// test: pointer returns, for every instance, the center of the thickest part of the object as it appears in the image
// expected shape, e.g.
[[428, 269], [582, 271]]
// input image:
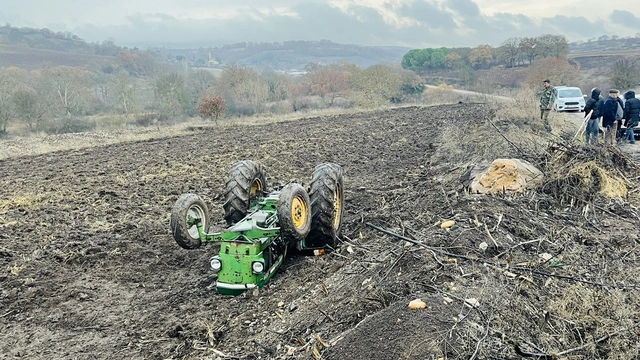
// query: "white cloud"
[[372, 22]]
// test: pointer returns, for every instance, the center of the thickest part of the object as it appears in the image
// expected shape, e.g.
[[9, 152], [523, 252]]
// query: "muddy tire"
[[188, 205], [246, 180], [294, 213], [327, 205]]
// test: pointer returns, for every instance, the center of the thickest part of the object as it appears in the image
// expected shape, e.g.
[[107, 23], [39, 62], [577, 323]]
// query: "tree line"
[[139, 90], [512, 52]]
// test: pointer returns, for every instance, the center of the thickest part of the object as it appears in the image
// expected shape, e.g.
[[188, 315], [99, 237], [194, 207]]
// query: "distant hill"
[[605, 44], [30, 59], [46, 39], [288, 55]]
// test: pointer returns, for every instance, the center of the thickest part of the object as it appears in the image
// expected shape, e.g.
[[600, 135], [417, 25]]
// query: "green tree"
[[425, 59]]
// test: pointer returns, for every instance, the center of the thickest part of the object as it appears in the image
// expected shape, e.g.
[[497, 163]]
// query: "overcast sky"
[[411, 23]]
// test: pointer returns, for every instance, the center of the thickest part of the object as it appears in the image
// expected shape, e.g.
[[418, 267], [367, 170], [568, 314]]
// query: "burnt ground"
[[88, 268]]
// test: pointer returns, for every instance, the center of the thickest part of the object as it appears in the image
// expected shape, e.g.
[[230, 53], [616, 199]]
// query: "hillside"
[[287, 55], [30, 58]]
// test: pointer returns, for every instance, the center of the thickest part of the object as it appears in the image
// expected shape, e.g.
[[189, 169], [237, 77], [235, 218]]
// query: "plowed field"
[[89, 269]]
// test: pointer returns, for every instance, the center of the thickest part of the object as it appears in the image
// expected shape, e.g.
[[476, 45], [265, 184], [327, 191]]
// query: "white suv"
[[569, 98]]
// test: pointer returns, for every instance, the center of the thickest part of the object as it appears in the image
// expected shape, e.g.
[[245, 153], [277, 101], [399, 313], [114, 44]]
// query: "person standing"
[[609, 122], [547, 99], [594, 105], [620, 118], [631, 114]]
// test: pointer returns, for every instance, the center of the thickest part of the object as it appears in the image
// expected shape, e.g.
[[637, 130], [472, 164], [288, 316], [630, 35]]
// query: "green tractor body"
[[253, 248]]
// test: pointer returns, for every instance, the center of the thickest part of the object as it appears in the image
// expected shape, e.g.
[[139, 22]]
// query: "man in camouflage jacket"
[[547, 99]]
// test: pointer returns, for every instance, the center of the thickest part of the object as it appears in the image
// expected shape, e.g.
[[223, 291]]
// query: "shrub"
[[149, 119], [68, 125], [212, 107]]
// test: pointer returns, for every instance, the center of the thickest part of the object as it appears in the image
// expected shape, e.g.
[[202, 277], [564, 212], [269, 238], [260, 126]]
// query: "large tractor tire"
[[246, 180], [327, 205], [188, 206], [294, 213]]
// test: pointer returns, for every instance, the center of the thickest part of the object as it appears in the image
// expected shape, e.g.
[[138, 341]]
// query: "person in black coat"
[[631, 114], [594, 105], [609, 121]]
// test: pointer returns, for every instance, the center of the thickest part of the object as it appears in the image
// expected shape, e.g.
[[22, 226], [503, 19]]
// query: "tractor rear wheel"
[[294, 213], [246, 180], [188, 206], [327, 205]]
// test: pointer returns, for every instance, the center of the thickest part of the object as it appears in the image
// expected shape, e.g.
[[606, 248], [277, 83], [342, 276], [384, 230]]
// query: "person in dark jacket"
[[631, 114], [594, 105], [609, 122]]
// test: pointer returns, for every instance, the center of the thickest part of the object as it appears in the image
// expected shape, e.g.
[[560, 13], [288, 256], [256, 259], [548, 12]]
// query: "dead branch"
[[506, 139], [426, 246]]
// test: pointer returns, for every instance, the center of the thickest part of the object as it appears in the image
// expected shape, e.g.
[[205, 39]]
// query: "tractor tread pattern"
[[238, 189], [326, 177]]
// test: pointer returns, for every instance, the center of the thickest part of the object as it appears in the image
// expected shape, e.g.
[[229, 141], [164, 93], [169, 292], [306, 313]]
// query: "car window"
[[568, 93]]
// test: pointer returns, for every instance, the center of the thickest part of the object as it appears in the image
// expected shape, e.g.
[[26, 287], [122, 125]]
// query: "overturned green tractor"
[[262, 226]]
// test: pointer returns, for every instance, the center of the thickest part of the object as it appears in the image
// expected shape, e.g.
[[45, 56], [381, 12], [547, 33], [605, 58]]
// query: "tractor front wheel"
[[294, 212], [246, 180], [188, 208], [327, 205]]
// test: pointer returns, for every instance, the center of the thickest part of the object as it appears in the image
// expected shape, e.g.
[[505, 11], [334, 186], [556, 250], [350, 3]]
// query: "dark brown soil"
[[89, 270]]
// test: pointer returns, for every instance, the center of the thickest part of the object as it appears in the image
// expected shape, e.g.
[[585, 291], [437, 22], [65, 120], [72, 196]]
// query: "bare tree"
[[124, 87], [5, 103], [198, 84], [481, 56], [552, 45], [376, 85], [559, 71], [277, 83], [625, 73], [243, 90], [29, 107], [171, 96], [528, 48], [328, 83], [510, 51], [68, 89]]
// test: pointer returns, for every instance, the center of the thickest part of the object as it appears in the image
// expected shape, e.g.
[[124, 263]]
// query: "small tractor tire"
[[246, 180], [327, 205], [294, 213], [188, 205]]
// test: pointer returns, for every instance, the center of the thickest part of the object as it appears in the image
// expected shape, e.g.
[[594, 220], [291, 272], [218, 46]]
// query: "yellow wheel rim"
[[337, 203], [255, 187], [299, 212]]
